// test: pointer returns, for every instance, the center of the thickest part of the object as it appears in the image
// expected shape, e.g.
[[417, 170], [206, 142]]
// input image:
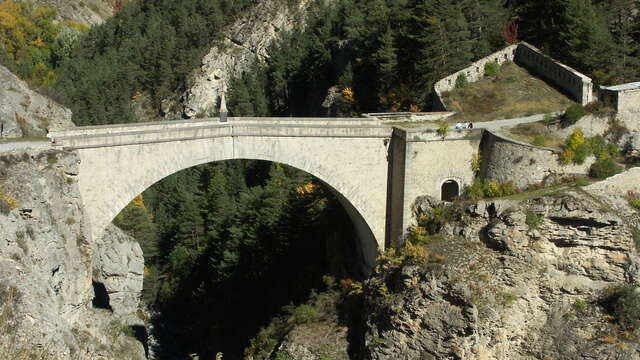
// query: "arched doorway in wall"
[[450, 190]]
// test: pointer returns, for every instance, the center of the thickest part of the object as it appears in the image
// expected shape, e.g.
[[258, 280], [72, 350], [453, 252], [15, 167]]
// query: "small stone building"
[[623, 98]]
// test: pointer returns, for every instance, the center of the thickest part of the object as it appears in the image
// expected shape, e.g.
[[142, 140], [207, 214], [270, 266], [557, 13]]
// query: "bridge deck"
[[141, 133]]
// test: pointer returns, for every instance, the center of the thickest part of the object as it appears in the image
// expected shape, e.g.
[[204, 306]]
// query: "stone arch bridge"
[[375, 170]]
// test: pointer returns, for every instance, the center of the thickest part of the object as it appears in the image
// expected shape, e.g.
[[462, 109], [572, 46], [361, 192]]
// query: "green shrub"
[[533, 220], [580, 306], [481, 189], [634, 200], [437, 217], [582, 182], [507, 189], [574, 113], [548, 119], [476, 190], [304, 314], [443, 129], [603, 168], [627, 306], [491, 68], [581, 153], [461, 81], [598, 145], [636, 238]]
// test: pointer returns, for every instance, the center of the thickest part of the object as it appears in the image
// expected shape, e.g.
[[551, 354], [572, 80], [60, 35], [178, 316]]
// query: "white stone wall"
[[430, 161], [571, 81], [629, 101], [475, 71]]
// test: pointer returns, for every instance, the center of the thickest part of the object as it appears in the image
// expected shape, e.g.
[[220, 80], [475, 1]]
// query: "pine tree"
[[487, 19], [190, 230], [387, 61], [240, 99], [584, 36], [444, 38], [626, 57]]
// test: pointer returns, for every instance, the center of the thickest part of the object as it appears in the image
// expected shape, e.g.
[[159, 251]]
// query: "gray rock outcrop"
[[24, 112], [50, 265], [118, 264], [316, 341], [88, 12], [246, 42], [512, 279]]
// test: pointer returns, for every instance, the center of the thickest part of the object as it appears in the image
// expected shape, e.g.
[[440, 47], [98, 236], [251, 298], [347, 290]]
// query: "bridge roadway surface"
[[494, 125]]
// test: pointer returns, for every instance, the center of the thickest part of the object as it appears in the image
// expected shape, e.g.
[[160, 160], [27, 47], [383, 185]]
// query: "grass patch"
[[513, 92], [537, 134], [633, 199], [635, 233], [533, 220]]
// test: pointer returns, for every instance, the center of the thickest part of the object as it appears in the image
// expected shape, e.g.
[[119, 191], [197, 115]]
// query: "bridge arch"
[[114, 169]]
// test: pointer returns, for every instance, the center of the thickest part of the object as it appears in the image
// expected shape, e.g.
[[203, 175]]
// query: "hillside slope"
[[88, 12]]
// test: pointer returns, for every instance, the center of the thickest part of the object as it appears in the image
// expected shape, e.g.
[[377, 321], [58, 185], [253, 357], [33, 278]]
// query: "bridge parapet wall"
[[209, 122], [119, 136]]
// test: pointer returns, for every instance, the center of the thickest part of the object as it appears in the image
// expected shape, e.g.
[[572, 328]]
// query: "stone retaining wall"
[[506, 160], [473, 72], [575, 84]]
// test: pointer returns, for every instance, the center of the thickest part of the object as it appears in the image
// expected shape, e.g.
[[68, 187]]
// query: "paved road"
[[21, 145], [498, 124]]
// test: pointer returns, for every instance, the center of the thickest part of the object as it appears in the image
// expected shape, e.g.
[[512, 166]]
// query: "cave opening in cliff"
[[100, 296], [238, 246]]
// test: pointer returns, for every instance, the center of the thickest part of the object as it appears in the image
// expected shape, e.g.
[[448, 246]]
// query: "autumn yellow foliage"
[[7, 199], [138, 201], [305, 190], [30, 39], [348, 95]]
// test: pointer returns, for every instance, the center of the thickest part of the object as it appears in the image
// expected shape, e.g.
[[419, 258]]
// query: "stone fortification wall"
[[507, 160], [575, 84], [474, 72], [623, 98]]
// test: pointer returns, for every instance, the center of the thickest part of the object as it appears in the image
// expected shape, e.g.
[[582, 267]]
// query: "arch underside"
[[110, 177]]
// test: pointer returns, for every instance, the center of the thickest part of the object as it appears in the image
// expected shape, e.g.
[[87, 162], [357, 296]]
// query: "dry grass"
[[536, 134], [513, 93]]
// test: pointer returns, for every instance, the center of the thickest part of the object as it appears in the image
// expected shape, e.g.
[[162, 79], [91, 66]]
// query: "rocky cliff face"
[[245, 43], [88, 12], [61, 295], [513, 279], [23, 112]]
